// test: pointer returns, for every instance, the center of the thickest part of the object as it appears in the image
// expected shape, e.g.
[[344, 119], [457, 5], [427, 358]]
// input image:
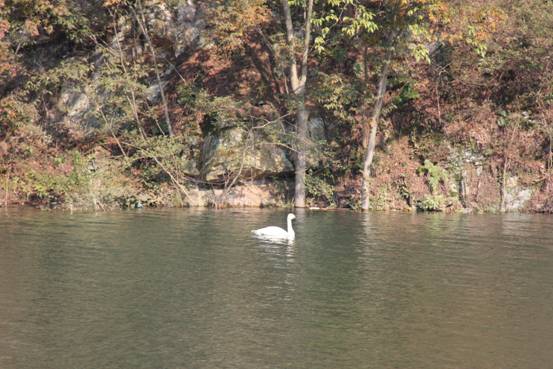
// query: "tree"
[[230, 34], [6, 56], [297, 74], [393, 29]]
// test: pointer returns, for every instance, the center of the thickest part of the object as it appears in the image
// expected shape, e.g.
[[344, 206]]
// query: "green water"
[[193, 289]]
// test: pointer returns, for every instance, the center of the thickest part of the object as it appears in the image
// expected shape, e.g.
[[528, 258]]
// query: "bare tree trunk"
[[301, 164], [298, 82], [291, 40], [503, 188], [504, 172], [550, 155], [465, 190], [364, 109], [369, 155], [6, 187]]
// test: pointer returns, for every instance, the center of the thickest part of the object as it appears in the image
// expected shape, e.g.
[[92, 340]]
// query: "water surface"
[[193, 289]]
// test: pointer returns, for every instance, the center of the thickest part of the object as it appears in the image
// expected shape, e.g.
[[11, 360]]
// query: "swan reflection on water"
[[266, 240], [280, 251]]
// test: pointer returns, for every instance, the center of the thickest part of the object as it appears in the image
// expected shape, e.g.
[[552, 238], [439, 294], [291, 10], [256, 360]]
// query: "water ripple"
[[194, 289]]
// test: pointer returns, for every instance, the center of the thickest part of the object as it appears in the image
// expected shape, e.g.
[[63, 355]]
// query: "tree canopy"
[[396, 104]]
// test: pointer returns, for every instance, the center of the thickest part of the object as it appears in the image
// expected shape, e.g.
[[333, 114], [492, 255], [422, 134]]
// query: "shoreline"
[[82, 209]]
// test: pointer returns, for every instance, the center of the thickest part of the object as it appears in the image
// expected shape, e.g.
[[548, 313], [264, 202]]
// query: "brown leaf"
[[31, 27]]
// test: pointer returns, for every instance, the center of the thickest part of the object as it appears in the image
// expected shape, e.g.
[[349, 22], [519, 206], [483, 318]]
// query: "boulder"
[[230, 150], [74, 102], [74, 107], [180, 24]]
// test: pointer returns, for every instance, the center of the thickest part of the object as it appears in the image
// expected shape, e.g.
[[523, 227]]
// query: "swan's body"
[[277, 232]]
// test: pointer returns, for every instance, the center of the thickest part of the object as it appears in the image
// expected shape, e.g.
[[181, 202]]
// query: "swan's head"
[[291, 216]]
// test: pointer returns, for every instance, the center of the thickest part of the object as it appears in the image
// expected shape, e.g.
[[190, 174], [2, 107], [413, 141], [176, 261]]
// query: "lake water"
[[193, 289]]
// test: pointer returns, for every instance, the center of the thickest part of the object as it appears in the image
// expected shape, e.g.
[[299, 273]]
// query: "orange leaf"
[[4, 27], [108, 3], [31, 27]]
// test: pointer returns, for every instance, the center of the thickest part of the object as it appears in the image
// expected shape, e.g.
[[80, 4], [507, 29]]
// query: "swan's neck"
[[290, 230]]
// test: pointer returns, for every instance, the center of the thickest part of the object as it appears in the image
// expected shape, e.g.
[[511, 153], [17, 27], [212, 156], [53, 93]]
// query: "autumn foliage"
[[466, 119]]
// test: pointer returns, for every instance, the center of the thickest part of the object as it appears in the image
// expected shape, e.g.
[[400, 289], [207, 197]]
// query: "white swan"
[[277, 232]]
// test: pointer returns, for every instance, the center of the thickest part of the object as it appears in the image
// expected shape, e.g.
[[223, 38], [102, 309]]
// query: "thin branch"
[[173, 179], [110, 125], [307, 42], [142, 23]]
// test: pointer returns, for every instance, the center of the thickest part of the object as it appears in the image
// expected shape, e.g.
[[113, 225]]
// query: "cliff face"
[[147, 103]]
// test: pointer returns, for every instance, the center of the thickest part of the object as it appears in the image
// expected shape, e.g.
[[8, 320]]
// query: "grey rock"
[[252, 194], [75, 107], [231, 149], [516, 196], [317, 138], [73, 102], [190, 24], [181, 25], [316, 127]]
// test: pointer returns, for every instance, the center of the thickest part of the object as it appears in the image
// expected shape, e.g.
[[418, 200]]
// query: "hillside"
[[398, 105]]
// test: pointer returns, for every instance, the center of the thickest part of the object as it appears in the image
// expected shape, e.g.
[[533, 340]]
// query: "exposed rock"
[[516, 196], [153, 92], [176, 28], [181, 24], [471, 157], [230, 150], [74, 107], [188, 166], [316, 127], [247, 195], [73, 102], [190, 25], [317, 135]]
